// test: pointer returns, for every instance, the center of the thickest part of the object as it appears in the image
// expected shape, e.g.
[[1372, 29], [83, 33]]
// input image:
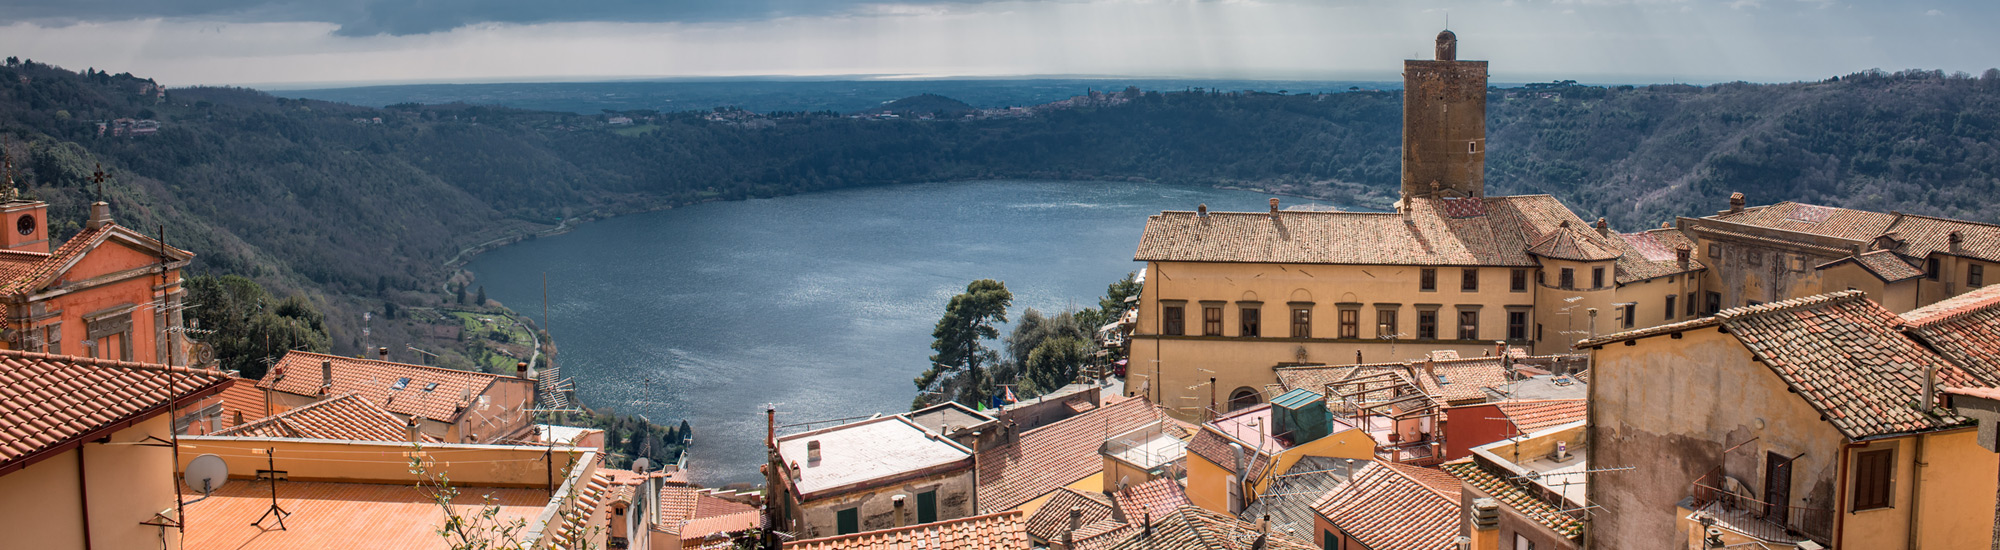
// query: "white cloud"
[[1933, 13]]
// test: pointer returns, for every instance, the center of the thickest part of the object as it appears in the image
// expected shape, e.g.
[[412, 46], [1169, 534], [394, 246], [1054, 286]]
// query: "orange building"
[[109, 292]]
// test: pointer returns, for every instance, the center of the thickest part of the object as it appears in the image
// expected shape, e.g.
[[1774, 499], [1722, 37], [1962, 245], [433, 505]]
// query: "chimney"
[[1593, 322], [897, 503], [812, 451], [1681, 255], [1955, 238], [326, 377], [1500, 348], [1430, 370], [382, 353], [1603, 228], [1201, 211], [771, 428], [1357, 357], [411, 426], [1075, 523], [100, 214], [1485, 514], [521, 369], [1930, 389], [1735, 202], [1274, 206]]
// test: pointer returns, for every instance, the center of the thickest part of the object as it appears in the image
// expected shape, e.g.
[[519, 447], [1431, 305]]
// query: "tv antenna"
[[272, 473]]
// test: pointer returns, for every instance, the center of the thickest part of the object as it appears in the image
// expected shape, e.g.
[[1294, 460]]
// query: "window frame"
[[1468, 280], [1517, 325], [1173, 319], [1350, 322], [1211, 319], [1932, 267], [927, 502], [1566, 280], [1301, 320], [1468, 331], [1714, 302], [1518, 281], [1386, 323], [1672, 308], [1427, 280], [1879, 488], [1427, 324], [1596, 278], [1250, 319], [847, 521], [1631, 314], [1975, 275]]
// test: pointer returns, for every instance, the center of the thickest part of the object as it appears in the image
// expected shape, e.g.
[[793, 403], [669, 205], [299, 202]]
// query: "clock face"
[[26, 225]]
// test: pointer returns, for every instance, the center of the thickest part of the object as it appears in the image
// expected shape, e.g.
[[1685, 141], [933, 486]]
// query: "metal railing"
[[1782, 523]]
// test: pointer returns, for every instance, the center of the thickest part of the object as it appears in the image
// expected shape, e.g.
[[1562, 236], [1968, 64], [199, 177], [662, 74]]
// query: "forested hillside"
[[323, 198]]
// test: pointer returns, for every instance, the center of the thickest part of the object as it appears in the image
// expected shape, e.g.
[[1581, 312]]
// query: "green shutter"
[[849, 521], [927, 507]]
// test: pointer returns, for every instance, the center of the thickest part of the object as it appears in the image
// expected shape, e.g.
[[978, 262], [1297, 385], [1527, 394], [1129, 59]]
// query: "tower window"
[[1472, 147]]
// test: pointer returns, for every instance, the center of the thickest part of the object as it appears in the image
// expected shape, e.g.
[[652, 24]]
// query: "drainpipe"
[[83, 494], [1916, 493]]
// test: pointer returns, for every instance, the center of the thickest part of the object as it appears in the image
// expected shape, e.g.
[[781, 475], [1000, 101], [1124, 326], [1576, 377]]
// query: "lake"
[[821, 303]]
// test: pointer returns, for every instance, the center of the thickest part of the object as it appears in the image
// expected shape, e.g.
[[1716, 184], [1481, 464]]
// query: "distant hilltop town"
[[1463, 372]]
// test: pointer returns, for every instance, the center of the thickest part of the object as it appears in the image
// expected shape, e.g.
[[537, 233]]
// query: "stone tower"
[[1444, 124]]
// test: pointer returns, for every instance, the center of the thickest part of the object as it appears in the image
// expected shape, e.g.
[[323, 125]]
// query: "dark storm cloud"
[[406, 17]]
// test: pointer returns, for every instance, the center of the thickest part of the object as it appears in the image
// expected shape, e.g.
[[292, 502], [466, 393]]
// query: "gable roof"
[[27, 279], [1654, 253], [1195, 528], [1844, 223], [1964, 329], [1037, 461], [1494, 231], [1516, 497], [1155, 498], [347, 417], [1531, 415], [1290, 499], [1846, 356], [1568, 243], [1923, 235], [1001, 531], [50, 403], [299, 373], [1052, 519], [1390, 506], [1883, 264]]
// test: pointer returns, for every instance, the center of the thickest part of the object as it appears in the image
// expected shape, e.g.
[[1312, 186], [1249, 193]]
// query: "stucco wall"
[[40, 506], [954, 497], [1669, 408]]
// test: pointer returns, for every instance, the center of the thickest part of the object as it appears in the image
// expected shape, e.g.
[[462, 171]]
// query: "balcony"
[[1775, 523]]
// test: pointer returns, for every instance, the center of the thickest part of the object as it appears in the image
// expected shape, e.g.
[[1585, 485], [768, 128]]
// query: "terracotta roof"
[[1312, 377], [1652, 254], [1040, 460], [1464, 379], [1156, 498], [1669, 328], [1982, 393], [1433, 232], [339, 515], [1103, 534], [572, 529], [1001, 531], [1052, 519], [694, 530], [1391, 506], [430, 392], [1813, 219], [346, 417], [1214, 447], [50, 402], [1533, 415], [1194, 528], [21, 278], [242, 396], [1924, 235], [1964, 329], [1883, 264], [1289, 499], [1521, 500], [708, 506], [677, 505], [1570, 243]]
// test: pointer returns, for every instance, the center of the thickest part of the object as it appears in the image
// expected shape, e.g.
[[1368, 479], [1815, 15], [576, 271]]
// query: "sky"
[[308, 43]]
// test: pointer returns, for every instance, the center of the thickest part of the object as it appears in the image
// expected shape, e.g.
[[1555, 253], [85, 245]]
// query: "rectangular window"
[[1690, 304], [1428, 280], [1975, 275], [1517, 325], [1329, 541], [1715, 250], [1714, 302], [1253, 320], [1670, 306], [1350, 323], [927, 506], [1173, 321], [1518, 281], [1385, 323], [1931, 269], [847, 521], [1631, 314], [1753, 257], [1568, 279], [1211, 320], [1302, 322], [1521, 542], [1468, 325], [1597, 277], [1427, 324], [1470, 281], [1871, 479]]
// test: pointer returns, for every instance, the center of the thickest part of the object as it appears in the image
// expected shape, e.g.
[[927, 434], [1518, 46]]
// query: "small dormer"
[[27, 227]]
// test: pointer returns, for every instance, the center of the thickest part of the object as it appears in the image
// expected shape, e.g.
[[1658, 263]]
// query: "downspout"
[[1917, 466], [83, 494]]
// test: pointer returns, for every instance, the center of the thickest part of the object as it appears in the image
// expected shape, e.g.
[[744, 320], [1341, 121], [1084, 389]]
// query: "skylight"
[[401, 383], [430, 386]]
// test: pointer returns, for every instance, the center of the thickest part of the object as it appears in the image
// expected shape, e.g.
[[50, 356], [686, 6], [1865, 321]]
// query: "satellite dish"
[[640, 464], [206, 473]]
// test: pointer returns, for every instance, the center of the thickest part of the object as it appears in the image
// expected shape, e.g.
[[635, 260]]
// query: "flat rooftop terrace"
[[339, 515]]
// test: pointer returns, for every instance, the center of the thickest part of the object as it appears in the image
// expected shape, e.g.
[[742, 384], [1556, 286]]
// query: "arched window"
[[1244, 397]]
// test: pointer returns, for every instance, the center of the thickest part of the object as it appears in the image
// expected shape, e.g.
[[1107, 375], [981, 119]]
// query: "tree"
[[1056, 362], [461, 295], [1062, 342], [248, 327], [958, 370], [480, 300], [388, 310]]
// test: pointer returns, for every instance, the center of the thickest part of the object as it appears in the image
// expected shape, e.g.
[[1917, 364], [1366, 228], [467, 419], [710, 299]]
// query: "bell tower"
[[1444, 124], [27, 227]]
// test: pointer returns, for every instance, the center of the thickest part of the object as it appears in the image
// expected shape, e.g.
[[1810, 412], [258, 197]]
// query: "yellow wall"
[[376, 462], [1094, 483], [1207, 484], [1954, 495], [1345, 444], [128, 484]]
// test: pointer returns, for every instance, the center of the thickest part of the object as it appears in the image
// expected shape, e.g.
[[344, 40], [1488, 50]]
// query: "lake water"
[[821, 303]]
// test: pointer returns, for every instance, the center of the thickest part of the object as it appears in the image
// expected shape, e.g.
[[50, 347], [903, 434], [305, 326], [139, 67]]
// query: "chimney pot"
[[897, 501], [1274, 205], [1603, 227], [1201, 211], [1735, 202], [326, 377], [383, 352], [521, 369]]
